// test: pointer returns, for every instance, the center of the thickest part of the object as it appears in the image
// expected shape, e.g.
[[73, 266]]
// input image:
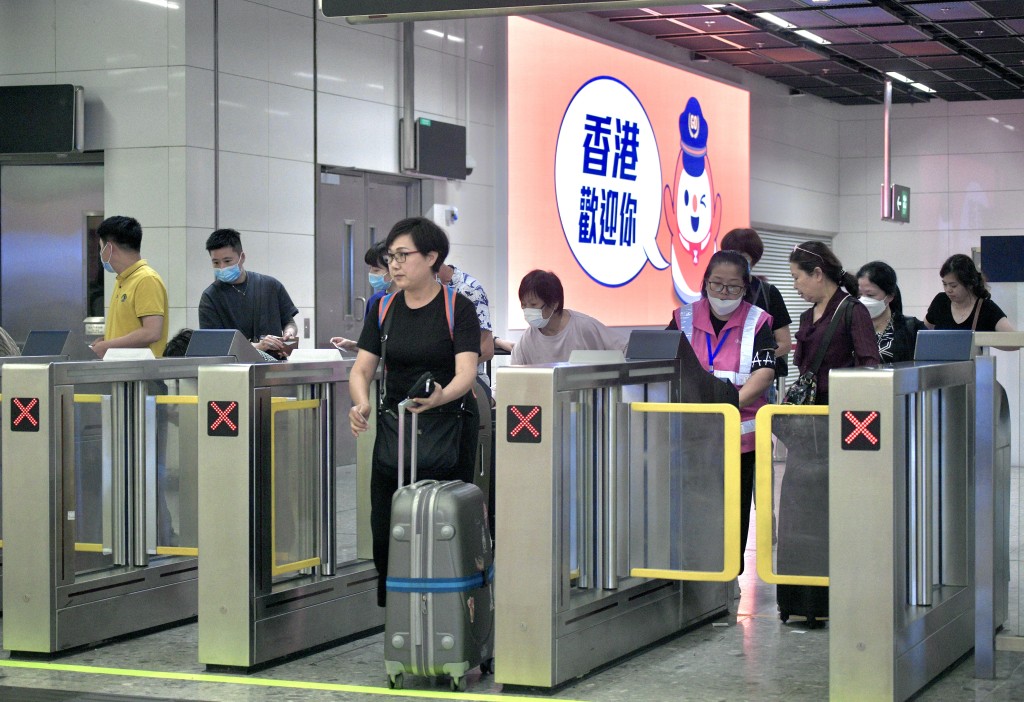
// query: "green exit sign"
[[900, 203]]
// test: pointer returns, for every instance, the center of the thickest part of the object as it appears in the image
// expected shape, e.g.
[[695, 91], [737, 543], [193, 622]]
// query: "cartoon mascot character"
[[693, 208]]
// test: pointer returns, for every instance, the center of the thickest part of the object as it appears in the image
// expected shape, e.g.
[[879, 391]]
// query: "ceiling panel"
[[964, 50], [922, 48], [946, 11]]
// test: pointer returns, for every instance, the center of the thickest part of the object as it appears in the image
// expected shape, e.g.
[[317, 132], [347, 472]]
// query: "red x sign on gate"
[[24, 414], [861, 431], [523, 423], [222, 421]]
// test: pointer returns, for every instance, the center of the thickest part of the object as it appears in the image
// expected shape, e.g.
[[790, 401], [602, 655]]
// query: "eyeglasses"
[[396, 256], [808, 251], [727, 289]]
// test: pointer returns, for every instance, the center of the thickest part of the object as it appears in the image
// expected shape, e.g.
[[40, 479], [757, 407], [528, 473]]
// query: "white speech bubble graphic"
[[608, 182]]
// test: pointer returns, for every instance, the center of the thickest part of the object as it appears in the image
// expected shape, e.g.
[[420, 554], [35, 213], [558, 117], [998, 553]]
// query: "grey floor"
[[747, 655]]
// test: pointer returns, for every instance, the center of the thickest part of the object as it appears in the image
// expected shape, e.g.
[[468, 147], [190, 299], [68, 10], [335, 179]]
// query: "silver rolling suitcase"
[[439, 618]]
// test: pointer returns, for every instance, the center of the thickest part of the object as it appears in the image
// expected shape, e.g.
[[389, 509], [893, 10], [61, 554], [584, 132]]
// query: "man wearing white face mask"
[[256, 305], [554, 331], [733, 340]]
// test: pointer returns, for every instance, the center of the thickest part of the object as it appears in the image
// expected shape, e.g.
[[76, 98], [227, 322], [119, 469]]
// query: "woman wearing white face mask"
[[733, 340], [897, 334], [555, 332]]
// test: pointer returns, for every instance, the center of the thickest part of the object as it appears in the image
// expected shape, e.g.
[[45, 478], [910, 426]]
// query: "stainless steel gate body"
[[63, 591], [566, 600], [271, 585], [905, 588]]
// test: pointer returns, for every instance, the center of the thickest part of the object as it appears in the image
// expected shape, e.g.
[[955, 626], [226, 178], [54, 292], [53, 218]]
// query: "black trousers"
[[382, 489], [747, 466]]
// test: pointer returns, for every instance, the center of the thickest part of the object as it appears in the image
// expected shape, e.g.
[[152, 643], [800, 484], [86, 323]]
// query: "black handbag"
[[805, 390], [438, 436]]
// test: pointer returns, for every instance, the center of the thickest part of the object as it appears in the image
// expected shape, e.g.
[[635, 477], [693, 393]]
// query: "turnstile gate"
[[915, 456], [277, 524], [96, 513], [608, 514]]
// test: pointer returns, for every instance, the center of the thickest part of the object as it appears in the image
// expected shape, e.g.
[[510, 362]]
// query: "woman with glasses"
[[879, 293], [820, 279], [414, 337], [554, 332], [733, 340]]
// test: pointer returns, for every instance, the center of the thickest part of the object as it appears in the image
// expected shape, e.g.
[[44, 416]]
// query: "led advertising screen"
[[624, 174]]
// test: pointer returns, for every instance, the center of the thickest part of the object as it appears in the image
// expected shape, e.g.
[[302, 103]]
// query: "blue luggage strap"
[[433, 585]]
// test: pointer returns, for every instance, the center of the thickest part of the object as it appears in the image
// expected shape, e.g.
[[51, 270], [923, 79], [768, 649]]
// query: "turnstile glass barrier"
[[171, 428], [792, 489], [277, 515], [98, 516], [684, 491], [87, 513], [589, 485], [295, 470]]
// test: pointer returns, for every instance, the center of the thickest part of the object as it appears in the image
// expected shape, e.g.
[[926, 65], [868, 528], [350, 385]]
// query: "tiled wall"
[[183, 165], [142, 87], [359, 78], [794, 160]]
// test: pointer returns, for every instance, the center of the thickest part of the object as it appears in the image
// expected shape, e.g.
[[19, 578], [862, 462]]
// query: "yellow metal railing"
[[283, 404], [765, 488], [83, 399], [177, 399], [731, 449], [89, 399]]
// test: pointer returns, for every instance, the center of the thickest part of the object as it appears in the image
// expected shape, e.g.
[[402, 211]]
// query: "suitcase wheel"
[[396, 682], [487, 666], [813, 623], [784, 616], [459, 684]]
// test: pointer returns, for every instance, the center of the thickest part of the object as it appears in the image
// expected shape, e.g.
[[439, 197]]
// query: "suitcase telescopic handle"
[[401, 442]]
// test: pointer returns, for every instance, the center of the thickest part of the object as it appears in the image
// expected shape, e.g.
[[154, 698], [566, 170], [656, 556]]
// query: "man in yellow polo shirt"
[[138, 306]]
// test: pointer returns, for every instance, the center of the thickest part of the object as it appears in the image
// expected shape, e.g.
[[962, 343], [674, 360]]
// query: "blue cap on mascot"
[[693, 137]]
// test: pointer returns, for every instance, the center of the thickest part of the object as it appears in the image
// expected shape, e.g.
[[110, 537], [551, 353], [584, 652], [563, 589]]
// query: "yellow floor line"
[[268, 682]]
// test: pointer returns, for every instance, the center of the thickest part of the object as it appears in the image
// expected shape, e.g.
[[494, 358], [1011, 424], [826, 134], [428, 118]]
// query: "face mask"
[[106, 264], [227, 275], [875, 307], [535, 317], [724, 307], [377, 282]]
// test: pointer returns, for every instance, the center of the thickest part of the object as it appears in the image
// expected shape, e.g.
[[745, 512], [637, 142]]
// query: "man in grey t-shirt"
[[256, 305]]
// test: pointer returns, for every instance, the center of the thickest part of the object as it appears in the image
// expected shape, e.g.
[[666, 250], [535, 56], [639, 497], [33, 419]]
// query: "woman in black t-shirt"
[[966, 302], [419, 339]]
